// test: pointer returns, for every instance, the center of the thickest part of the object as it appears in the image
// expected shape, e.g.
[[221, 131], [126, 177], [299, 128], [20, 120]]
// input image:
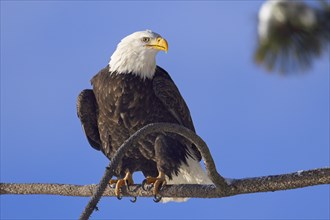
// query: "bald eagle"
[[129, 93]]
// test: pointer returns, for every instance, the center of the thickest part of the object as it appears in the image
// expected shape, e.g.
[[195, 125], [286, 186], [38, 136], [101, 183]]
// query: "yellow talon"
[[126, 181], [158, 182]]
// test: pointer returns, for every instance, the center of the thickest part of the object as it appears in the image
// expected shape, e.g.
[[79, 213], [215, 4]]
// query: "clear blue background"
[[254, 122]]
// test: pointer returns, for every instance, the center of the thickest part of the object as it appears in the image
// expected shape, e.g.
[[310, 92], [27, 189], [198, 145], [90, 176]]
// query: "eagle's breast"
[[126, 104]]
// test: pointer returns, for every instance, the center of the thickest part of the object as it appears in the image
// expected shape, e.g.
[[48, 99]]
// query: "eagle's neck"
[[126, 60]]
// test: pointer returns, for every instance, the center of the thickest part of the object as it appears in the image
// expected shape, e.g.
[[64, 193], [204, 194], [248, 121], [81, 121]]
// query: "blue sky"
[[255, 123]]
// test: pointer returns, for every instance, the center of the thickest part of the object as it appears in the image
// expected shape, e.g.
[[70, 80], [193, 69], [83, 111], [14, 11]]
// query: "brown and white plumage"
[[129, 93]]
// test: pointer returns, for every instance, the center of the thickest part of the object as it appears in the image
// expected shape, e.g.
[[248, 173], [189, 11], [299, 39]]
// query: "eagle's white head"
[[136, 54]]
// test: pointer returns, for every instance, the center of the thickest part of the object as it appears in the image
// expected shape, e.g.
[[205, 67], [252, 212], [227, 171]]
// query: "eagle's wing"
[[87, 111], [169, 94]]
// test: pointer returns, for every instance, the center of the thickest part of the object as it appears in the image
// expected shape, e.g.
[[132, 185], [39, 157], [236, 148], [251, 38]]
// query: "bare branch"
[[273, 183], [219, 189], [215, 177]]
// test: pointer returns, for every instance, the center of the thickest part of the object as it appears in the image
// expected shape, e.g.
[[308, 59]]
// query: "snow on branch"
[[222, 187]]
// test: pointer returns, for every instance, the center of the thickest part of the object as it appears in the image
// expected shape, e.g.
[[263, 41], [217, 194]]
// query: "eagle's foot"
[[112, 183], [157, 183], [118, 183]]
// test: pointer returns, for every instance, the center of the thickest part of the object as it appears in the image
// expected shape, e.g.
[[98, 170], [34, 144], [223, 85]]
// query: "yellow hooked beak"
[[159, 44]]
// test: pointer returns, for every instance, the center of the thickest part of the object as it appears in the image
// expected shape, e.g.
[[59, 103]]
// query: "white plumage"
[[131, 55]]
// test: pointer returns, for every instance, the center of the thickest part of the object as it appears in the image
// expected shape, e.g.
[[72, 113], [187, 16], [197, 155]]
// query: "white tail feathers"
[[190, 173]]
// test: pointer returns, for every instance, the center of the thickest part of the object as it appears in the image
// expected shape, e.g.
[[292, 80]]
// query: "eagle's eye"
[[145, 39]]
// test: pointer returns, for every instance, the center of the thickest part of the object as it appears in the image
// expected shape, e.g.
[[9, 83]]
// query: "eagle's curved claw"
[[157, 182], [127, 183], [113, 183], [112, 186], [157, 198], [145, 185], [133, 200]]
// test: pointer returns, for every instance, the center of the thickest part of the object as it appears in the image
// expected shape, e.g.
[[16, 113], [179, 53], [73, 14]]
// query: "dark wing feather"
[[87, 112], [169, 94]]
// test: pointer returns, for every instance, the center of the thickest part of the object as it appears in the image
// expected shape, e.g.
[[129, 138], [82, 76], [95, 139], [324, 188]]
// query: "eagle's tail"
[[190, 173]]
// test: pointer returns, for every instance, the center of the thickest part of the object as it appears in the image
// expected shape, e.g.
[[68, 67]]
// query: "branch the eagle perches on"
[[222, 187], [220, 184], [215, 177]]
